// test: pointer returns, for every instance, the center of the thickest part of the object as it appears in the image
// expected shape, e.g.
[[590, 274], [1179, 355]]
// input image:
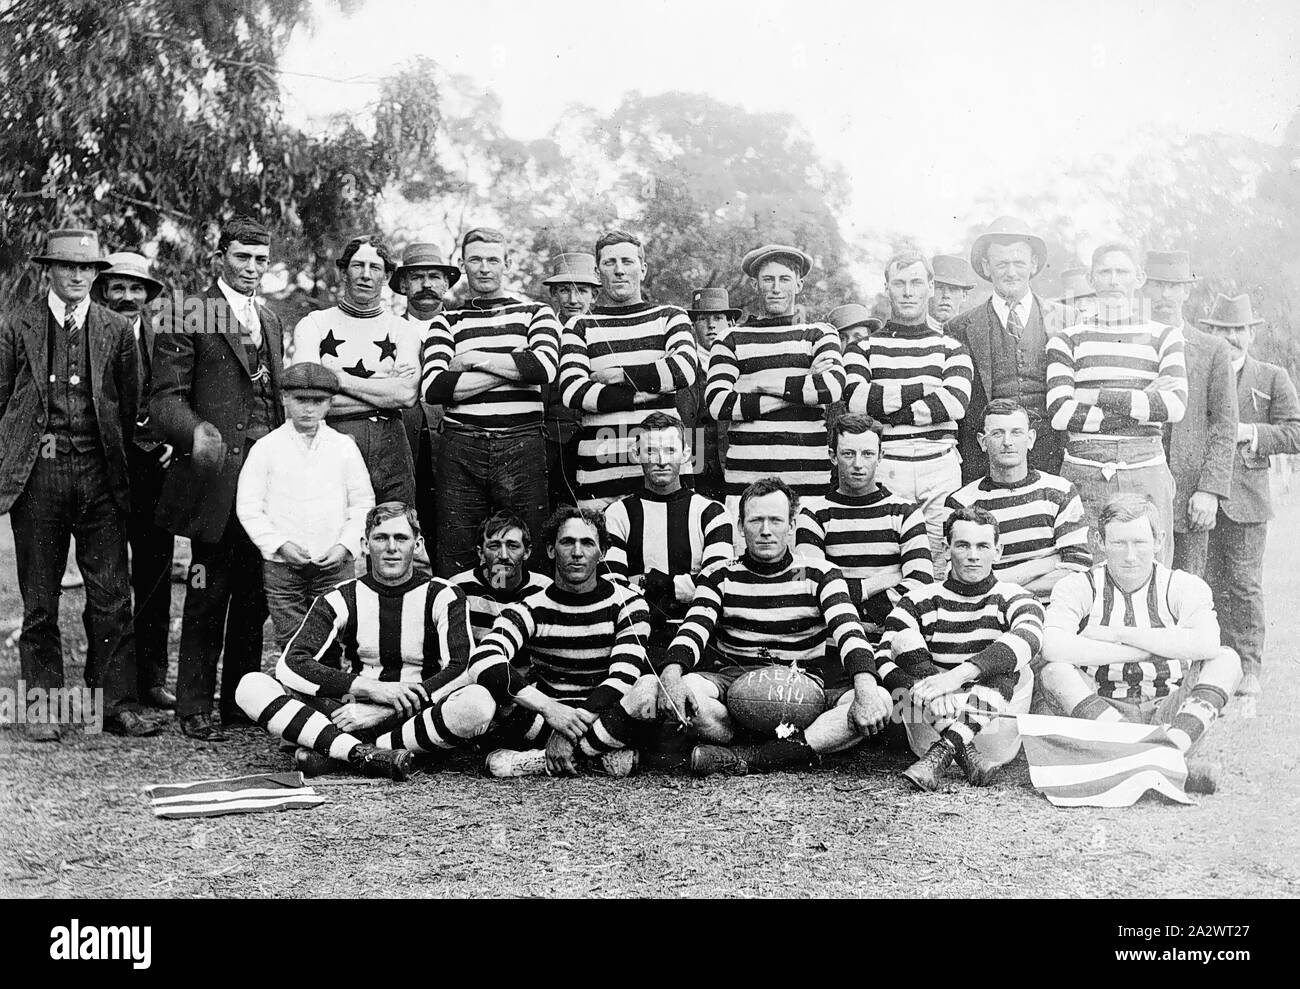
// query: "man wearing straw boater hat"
[[1200, 447], [1269, 423], [953, 281], [713, 315], [128, 288], [1077, 294], [572, 285], [68, 392], [1007, 339]]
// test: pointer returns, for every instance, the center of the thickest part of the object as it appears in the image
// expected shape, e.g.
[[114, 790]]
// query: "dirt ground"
[[74, 820]]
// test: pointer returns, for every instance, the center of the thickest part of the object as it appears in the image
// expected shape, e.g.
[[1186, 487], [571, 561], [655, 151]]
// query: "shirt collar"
[[59, 309], [239, 303], [1003, 309]]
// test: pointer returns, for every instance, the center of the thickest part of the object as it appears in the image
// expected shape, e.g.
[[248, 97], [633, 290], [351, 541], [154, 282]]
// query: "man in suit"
[[67, 412], [1007, 340], [215, 392], [1200, 447], [1269, 423], [129, 289]]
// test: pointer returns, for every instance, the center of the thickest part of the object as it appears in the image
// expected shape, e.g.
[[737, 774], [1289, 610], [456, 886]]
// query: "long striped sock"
[[451, 722], [958, 734], [1094, 708], [1196, 715], [614, 729], [264, 700]]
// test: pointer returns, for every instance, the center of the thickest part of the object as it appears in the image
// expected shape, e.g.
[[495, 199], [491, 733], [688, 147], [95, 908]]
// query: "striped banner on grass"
[[237, 795]]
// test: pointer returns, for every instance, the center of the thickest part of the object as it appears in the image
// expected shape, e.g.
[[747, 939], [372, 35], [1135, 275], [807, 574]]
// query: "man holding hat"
[[303, 497], [572, 286], [1269, 423], [68, 395], [713, 316], [128, 288], [953, 280], [216, 392], [1200, 448], [772, 379], [1007, 339]]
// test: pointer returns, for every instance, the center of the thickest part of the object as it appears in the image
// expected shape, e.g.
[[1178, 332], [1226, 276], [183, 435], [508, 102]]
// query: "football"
[[774, 695]]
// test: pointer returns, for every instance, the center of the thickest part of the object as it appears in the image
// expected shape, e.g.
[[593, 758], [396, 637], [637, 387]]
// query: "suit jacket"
[[201, 374], [1201, 447], [1266, 397], [24, 394], [975, 328], [147, 437]]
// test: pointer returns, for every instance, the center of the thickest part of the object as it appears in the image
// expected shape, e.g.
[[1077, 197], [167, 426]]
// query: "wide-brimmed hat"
[[847, 316], [755, 258], [1169, 266], [574, 268], [72, 247], [128, 264], [1075, 285], [310, 377], [952, 269], [422, 256], [1231, 311], [1006, 228], [711, 301]]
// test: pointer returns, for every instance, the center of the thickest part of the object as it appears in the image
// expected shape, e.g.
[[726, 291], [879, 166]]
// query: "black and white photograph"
[[681, 451]]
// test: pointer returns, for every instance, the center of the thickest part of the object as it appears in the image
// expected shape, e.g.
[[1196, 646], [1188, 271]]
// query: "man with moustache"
[[216, 391], [502, 576], [376, 356], [128, 288], [572, 286], [1007, 341], [1201, 447], [713, 316], [68, 394], [953, 281]]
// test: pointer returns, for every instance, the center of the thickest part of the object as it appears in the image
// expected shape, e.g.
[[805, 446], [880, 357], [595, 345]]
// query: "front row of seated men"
[[649, 620]]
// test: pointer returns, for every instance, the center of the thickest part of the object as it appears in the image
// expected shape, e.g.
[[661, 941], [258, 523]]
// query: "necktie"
[[252, 322], [70, 320], [1014, 326]]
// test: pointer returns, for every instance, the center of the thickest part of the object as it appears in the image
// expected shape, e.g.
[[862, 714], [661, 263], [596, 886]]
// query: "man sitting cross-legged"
[[1131, 640], [662, 536], [768, 606], [957, 656], [502, 576], [363, 682]]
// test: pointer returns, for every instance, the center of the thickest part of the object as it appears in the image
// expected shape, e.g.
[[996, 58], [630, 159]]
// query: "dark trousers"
[[151, 570], [224, 606], [1191, 549], [561, 471], [69, 494], [290, 591], [419, 438], [481, 472], [387, 453], [1234, 569]]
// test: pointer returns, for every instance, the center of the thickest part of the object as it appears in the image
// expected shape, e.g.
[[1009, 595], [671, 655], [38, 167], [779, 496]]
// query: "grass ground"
[[74, 821]]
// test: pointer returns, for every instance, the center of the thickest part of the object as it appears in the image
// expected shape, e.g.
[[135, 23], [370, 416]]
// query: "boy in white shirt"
[[303, 496]]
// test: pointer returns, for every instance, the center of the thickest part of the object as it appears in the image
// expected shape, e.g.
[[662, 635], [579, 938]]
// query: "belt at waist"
[[915, 452], [1114, 464], [527, 429], [374, 415]]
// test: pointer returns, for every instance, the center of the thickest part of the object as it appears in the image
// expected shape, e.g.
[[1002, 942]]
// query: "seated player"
[[766, 607], [502, 576], [956, 655], [1040, 516], [876, 539], [361, 683], [585, 639], [662, 536], [1130, 640]]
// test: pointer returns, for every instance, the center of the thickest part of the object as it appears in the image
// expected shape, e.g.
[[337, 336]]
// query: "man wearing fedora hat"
[[1269, 423], [1007, 340], [68, 395], [216, 392], [953, 281], [714, 316], [1200, 448], [853, 322], [1077, 294], [128, 288], [572, 286]]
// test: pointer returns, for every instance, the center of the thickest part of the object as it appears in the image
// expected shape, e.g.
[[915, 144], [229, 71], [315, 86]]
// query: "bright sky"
[[927, 105]]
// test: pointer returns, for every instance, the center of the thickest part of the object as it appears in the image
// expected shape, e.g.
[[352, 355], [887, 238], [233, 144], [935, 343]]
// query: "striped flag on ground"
[[1080, 763], [237, 795]]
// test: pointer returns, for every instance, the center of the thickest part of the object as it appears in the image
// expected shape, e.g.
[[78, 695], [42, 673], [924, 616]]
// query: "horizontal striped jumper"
[[772, 436], [527, 332], [914, 379], [404, 634], [585, 649], [675, 534], [994, 625], [756, 613], [1170, 599], [1096, 373], [878, 541], [654, 346], [486, 602], [1037, 516]]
